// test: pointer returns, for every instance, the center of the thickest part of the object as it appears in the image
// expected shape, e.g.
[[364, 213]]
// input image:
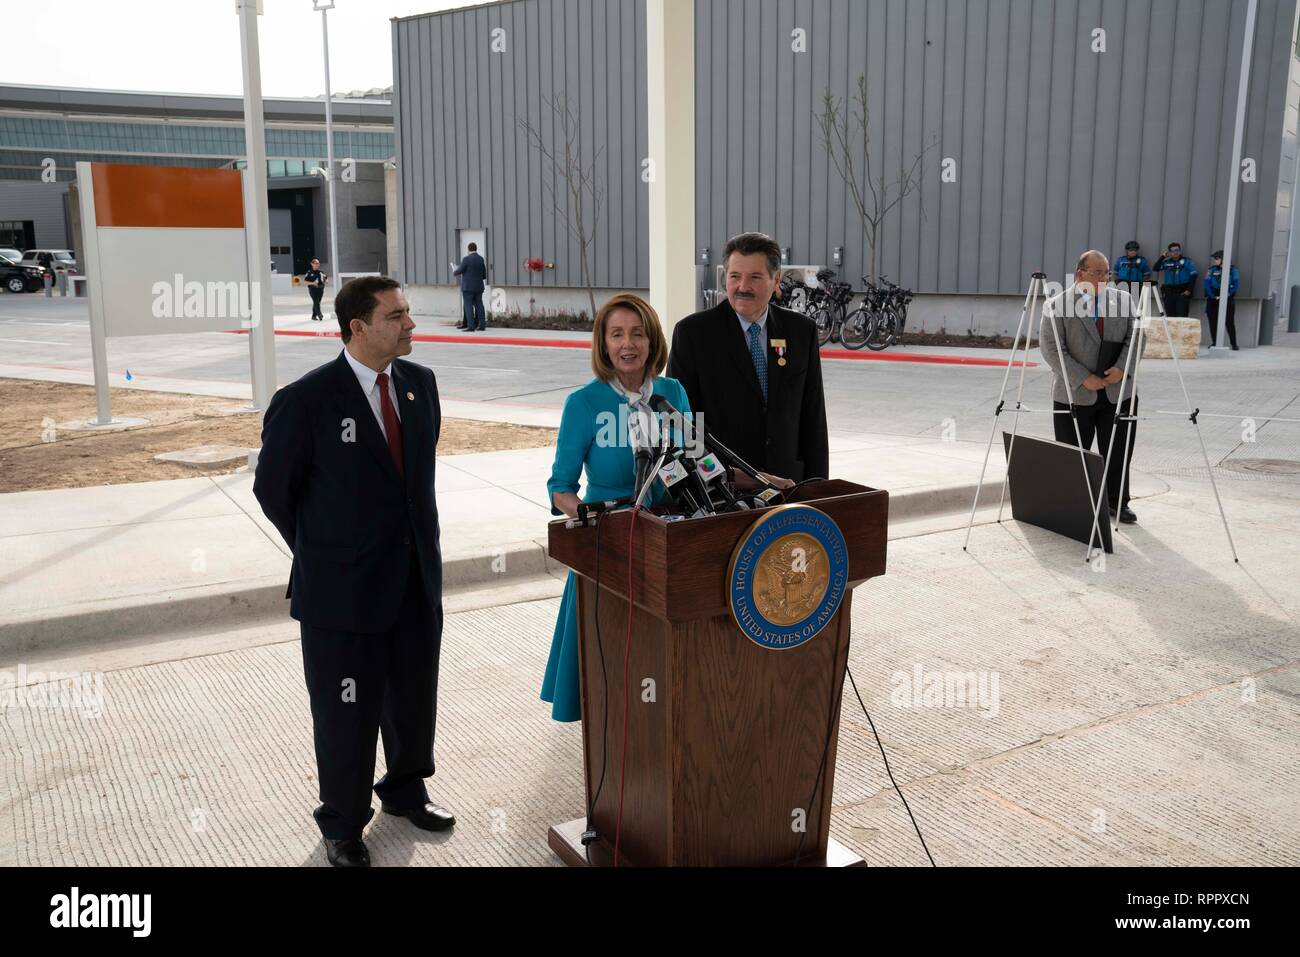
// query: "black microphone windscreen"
[[660, 404]]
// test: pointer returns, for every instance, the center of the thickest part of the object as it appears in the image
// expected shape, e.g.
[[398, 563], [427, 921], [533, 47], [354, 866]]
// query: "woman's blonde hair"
[[658, 358]]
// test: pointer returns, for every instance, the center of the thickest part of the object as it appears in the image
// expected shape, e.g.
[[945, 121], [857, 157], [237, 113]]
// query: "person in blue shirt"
[[1132, 267], [628, 353], [1178, 274], [1213, 289]]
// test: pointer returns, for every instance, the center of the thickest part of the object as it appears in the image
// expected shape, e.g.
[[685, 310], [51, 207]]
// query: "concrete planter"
[[1186, 334]]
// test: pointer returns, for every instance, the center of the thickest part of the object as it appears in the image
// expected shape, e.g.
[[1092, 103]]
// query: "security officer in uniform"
[[315, 280], [1132, 268], [1179, 277], [1213, 287]]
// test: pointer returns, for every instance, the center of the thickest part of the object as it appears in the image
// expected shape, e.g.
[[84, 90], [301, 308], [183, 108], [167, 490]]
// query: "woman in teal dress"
[[628, 351]]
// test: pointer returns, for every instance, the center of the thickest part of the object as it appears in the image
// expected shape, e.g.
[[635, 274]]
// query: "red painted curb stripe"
[[838, 354], [921, 357]]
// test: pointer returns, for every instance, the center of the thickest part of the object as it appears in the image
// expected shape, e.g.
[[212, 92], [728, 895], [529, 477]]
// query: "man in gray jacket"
[[1091, 325]]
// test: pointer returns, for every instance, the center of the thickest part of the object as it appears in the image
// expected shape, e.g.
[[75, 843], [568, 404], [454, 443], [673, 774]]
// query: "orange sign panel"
[[167, 196]]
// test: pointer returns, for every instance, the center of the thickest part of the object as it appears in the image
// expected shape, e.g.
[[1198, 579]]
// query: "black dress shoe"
[[347, 853], [1127, 516], [427, 816]]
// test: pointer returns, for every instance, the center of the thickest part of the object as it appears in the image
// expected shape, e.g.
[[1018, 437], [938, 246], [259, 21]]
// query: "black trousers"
[[317, 292], [473, 310], [1176, 303], [1212, 313], [1100, 420], [362, 686]]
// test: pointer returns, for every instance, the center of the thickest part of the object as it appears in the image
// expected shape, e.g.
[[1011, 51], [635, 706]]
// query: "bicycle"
[[829, 310], [793, 293], [878, 321], [898, 302]]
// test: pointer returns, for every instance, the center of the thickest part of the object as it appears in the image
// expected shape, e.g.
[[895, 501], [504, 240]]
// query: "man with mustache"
[[346, 474], [753, 369]]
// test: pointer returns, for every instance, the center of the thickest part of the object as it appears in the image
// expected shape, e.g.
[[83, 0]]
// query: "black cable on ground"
[[887, 771]]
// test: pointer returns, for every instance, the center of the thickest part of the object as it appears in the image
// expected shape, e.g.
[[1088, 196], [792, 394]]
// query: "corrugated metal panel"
[[1288, 89], [43, 204], [1057, 148], [465, 163]]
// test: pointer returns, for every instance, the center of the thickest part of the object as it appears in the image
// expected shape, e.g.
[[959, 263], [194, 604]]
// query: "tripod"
[[1026, 326], [1132, 362]]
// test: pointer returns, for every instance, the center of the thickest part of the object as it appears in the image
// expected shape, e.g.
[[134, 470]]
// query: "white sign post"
[[261, 337]]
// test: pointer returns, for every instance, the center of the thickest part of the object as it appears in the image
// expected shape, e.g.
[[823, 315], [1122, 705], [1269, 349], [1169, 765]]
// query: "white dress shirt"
[[369, 380]]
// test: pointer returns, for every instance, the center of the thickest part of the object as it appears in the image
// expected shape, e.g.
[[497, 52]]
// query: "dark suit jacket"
[[350, 518], [472, 272], [710, 357]]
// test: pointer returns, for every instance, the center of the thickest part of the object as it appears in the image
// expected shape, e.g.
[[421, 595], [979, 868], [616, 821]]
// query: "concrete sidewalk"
[[126, 563], [1144, 714]]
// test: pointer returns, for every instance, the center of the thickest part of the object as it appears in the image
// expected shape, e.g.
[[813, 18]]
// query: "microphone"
[[700, 487], [643, 452], [711, 444], [707, 470], [587, 509], [643, 473], [675, 477]]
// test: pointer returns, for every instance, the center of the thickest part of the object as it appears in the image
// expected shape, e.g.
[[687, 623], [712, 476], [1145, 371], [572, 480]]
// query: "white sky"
[[192, 46]]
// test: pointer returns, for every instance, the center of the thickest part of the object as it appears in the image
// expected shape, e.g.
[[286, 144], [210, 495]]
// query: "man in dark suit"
[[346, 474], [473, 279], [753, 369]]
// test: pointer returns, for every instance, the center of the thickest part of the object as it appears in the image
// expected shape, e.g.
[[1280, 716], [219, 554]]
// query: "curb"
[[221, 607], [585, 344]]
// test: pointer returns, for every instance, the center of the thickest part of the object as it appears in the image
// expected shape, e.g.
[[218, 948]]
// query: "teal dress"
[[611, 471]]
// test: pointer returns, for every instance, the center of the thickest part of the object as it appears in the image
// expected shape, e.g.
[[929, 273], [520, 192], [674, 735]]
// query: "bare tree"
[[846, 137], [580, 192]]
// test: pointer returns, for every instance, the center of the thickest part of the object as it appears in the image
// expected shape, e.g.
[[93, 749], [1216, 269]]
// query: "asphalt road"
[[894, 397]]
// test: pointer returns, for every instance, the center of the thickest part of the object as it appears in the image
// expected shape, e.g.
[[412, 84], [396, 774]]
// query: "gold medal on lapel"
[[779, 346], [410, 397]]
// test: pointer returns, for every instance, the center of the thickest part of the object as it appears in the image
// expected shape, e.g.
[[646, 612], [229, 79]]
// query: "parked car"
[[17, 277], [15, 254], [55, 260]]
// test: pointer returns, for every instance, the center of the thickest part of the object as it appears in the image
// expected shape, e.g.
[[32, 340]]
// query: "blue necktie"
[[758, 353]]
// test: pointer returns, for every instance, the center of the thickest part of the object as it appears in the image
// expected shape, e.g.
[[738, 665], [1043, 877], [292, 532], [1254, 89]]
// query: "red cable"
[[627, 654]]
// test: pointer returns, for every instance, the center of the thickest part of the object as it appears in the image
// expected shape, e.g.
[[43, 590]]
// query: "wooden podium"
[[726, 739]]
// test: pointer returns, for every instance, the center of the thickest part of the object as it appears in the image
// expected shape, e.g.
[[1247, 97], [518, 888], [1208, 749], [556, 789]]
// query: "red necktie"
[[1101, 323], [392, 426]]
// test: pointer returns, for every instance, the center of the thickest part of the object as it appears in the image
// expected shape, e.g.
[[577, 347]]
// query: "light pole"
[[1221, 347], [261, 337], [323, 6]]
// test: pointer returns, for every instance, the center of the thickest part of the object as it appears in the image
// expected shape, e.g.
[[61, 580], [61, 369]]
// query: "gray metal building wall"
[[1052, 155], [1286, 194], [1057, 148], [43, 204], [463, 162]]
